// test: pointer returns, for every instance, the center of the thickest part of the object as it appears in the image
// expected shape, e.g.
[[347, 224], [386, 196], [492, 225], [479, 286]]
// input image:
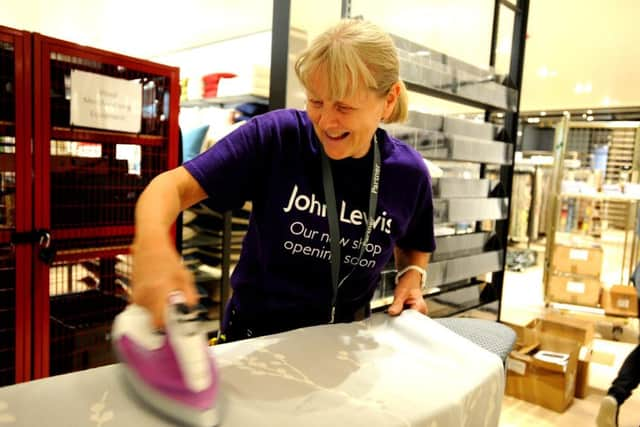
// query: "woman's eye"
[[314, 103], [344, 108]]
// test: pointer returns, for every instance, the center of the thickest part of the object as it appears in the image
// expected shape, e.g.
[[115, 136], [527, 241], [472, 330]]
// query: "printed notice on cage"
[[104, 102]]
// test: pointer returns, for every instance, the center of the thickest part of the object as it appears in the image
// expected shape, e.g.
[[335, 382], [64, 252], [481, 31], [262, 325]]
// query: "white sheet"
[[405, 371]]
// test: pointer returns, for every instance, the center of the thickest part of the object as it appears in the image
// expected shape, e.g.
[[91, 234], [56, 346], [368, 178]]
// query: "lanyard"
[[332, 214]]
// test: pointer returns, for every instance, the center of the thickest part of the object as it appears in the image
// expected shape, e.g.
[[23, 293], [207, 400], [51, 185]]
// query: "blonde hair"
[[355, 52]]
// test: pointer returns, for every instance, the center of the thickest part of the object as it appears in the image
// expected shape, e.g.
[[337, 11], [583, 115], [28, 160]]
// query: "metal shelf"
[[224, 101], [451, 188], [452, 97], [459, 245], [467, 210], [468, 149], [101, 231], [109, 137], [462, 268]]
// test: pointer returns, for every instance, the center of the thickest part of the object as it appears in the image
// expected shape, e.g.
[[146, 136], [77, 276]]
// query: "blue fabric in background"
[[192, 142]]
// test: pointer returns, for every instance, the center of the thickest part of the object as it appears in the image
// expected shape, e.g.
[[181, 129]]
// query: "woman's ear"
[[391, 99]]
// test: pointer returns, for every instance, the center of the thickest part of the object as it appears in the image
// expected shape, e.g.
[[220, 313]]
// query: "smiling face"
[[345, 126]]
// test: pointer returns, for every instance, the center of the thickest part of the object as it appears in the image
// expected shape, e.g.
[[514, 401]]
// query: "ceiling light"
[[590, 118], [519, 133], [533, 120], [589, 112], [544, 72], [543, 113], [566, 113], [500, 115], [585, 87], [584, 115], [422, 53]]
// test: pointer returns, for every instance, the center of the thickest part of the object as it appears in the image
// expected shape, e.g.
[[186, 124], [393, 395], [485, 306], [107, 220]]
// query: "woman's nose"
[[327, 118]]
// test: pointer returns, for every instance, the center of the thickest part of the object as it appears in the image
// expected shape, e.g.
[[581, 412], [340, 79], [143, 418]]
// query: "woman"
[[333, 198]]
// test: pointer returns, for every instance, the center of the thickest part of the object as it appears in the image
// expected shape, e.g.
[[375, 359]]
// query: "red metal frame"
[[44, 132], [21, 42]]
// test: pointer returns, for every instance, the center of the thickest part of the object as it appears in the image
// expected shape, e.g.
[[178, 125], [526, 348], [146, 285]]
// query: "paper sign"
[[575, 287], [104, 102], [516, 366], [579, 254]]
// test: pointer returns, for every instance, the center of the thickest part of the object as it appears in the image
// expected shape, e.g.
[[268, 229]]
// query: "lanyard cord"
[[332, 215]]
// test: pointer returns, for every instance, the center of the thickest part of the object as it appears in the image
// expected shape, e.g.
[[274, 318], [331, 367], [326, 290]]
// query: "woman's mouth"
[[336, 136]]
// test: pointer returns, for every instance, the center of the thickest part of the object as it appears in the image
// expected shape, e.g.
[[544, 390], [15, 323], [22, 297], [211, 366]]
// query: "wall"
[[570, 42]]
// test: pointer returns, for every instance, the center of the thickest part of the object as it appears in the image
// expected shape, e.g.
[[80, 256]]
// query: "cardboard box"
[[621, 300], [566, 327], [543, 383], [572, 289], [580, 260], [573, 329], [582, 372]]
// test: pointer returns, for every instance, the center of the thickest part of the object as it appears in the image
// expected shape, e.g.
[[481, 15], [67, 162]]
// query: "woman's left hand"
[[408, 294]]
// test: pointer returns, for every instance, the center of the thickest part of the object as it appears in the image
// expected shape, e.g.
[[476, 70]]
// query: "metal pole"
[[346, 9], [555, 202], [279, 54], [516, 65]]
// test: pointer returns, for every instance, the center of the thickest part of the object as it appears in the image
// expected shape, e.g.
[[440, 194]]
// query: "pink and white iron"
[[171, 371]]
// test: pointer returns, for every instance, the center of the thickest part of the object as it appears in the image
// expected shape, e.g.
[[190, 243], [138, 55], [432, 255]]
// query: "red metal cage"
[[86, 184]]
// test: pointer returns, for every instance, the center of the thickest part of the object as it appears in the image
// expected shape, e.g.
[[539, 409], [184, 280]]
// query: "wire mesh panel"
[[15, 214], [7, 101], [88, 178], [610, 151], [86, 294], [7, 315], [97, 185]]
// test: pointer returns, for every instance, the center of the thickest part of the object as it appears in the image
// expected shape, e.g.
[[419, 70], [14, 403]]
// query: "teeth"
[[340, 135]]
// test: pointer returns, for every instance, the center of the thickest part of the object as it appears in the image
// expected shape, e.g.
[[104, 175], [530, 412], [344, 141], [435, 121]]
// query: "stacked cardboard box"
[[620, 300], [575, 275]]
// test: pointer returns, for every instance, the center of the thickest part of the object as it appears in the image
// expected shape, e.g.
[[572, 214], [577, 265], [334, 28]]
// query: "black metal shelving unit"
[[455, 274]]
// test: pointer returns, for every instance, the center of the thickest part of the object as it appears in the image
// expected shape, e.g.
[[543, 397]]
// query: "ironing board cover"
[[404, 371]]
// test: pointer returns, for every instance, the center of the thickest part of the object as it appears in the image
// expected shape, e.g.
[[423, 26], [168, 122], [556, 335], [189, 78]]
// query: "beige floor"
[[523, 299]]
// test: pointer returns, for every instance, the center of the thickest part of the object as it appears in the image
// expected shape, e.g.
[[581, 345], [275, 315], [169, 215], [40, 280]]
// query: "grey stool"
[[492, 336]]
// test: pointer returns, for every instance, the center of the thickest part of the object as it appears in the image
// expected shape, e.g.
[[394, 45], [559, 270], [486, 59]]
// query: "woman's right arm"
[[157, 266]]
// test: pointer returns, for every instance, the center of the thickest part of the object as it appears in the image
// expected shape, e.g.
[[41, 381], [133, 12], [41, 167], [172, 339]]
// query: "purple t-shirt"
[[283, 277]]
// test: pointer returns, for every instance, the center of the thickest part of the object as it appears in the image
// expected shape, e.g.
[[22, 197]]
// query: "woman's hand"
[[408, 294], [158, 270]]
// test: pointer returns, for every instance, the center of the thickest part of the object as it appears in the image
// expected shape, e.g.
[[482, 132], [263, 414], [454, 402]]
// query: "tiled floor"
[[523, 300]]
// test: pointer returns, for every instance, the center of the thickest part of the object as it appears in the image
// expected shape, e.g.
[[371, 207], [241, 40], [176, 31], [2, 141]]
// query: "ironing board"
[[403, 371]]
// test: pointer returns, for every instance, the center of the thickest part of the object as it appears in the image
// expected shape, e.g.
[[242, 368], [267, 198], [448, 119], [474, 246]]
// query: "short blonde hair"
[[355, 52]]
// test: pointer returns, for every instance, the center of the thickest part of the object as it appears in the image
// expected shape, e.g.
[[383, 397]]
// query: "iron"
[[172, 371]]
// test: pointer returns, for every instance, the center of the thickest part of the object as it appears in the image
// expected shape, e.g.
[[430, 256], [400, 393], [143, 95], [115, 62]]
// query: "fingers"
[[152, 292], [404, 300], [396, 307], [399, 300], [189, 289]]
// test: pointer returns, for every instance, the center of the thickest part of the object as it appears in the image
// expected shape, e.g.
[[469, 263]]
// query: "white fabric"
[[404, 371]]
